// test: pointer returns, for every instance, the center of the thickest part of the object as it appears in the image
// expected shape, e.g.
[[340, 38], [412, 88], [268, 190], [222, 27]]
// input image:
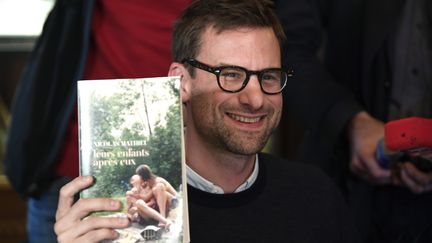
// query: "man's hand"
[[406, 174], [72, 221], [364, 133]]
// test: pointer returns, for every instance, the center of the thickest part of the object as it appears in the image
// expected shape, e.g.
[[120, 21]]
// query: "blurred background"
[[21, 23]]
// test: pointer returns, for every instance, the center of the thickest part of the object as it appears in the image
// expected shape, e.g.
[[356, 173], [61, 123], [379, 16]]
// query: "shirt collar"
[[197, 181]]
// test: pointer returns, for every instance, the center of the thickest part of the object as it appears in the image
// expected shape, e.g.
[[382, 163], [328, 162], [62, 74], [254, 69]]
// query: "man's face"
[[242, 122]]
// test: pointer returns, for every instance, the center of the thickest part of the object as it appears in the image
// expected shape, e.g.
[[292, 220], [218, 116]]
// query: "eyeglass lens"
[[232, 79]]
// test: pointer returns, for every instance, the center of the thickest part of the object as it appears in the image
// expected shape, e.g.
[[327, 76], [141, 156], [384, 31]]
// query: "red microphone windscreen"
[[408, 134]]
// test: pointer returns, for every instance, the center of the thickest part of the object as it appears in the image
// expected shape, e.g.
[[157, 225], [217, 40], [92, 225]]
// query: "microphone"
[[408, 139], [414, 134]]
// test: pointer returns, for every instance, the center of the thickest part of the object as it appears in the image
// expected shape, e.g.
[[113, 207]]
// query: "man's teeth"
[[245, 119]]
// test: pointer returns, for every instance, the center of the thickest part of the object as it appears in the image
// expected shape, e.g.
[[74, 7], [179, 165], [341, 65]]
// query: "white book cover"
[[130, 125]]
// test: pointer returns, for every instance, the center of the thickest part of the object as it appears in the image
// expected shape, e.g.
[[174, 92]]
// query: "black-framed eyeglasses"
[[234, 78]]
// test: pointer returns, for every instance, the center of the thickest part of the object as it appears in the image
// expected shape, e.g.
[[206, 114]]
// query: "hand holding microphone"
[[407, 150], [408, 139]]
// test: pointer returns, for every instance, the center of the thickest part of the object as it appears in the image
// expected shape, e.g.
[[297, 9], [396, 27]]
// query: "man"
[[228, 55]]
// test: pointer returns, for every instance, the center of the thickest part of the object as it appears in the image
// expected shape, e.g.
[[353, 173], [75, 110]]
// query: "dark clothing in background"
[[46, 97], [357, 37], [412, 63]]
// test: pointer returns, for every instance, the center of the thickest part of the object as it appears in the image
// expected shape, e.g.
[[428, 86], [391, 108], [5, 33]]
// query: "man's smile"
[[245, 119]]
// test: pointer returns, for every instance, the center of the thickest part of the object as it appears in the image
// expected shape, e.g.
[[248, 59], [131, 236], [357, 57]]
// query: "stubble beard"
[[210, 125]]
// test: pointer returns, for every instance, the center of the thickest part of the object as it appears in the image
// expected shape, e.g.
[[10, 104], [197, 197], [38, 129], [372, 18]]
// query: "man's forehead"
[[218, 44], [210, 33]]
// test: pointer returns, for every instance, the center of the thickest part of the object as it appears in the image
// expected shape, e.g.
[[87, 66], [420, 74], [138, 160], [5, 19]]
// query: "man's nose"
[[252, 94]]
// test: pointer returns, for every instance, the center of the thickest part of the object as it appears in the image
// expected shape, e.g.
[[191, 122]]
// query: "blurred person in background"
[[375, 67], [91, 39]]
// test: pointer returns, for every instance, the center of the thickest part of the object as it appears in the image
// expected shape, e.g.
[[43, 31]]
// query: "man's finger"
[[83, 208], [90, 226], [410, 183], [68, 192], [357, 167], [379, 175], [417, 175], [395, 174]]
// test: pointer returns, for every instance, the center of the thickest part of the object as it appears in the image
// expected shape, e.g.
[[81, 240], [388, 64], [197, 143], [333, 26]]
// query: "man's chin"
[[246, 147]]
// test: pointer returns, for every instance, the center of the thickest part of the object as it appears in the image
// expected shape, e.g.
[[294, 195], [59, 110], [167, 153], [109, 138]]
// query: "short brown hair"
[[221, 15]]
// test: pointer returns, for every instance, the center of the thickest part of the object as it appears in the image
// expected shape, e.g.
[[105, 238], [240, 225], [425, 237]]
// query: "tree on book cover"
[[126, 125]]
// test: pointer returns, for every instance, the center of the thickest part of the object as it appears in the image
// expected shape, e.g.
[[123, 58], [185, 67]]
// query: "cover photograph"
[[131, 142]]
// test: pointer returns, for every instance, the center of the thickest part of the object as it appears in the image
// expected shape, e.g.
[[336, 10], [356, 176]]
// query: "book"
[[127, 128]]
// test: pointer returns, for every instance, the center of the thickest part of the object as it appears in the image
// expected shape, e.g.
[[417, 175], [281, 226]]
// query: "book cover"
[[131, 142]]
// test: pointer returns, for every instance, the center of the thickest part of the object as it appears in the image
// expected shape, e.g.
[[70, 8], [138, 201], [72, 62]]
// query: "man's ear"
[[177, 69]]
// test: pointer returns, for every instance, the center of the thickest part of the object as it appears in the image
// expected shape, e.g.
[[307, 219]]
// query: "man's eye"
[[270, 77], [231, 75]]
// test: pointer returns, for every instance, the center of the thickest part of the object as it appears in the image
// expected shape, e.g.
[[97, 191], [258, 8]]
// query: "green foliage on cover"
[[161, 138]]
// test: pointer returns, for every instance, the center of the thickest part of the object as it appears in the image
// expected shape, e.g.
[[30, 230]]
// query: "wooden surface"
[[14, 52], [12, 214]]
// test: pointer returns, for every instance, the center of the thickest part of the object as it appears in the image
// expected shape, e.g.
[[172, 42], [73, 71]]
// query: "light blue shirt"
[[197, 181]]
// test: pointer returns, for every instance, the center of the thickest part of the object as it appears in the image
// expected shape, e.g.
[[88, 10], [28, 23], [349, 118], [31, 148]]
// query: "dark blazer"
[[351, 38], [46, 96], [315, 97], [356, 53], [350, 74]]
